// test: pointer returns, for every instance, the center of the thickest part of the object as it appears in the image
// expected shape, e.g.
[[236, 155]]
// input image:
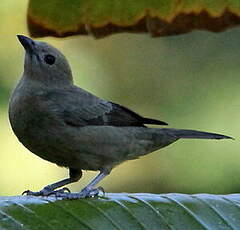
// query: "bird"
[[71, 127]]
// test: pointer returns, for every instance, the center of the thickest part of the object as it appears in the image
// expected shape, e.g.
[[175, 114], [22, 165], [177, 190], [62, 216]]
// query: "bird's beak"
[[27, 43]]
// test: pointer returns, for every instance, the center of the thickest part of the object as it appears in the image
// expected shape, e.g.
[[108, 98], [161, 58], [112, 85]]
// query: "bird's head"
[[45, 63]]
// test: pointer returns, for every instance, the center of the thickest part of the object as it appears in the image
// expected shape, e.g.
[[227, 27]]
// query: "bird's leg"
[[89, 190], [74, 176]]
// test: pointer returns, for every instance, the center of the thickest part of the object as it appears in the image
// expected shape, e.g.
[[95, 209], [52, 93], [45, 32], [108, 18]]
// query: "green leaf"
[[158, 17], [123, 211]]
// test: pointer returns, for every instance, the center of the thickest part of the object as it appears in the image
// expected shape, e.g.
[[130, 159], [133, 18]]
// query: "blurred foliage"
[[101, 18], [190, 81]]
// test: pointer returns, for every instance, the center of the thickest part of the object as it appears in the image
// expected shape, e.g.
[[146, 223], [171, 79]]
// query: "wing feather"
[[78, 107]]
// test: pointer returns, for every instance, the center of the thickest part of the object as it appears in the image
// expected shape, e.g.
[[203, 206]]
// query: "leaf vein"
[[34, 213], [188, 211], [129, 211], [75, 216], [114, 223], [154, 210], [214, 210], [13, 220]]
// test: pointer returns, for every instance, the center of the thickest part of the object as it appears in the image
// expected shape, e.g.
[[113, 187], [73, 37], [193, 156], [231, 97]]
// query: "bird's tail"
[[193, 134]]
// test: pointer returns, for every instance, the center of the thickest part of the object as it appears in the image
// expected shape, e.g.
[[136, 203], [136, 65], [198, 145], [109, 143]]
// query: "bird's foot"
[[92, 192], [85, 193], [47, 191]]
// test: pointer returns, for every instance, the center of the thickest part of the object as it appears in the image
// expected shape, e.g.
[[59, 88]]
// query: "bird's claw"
[[90, 192], [85, 193], [101, 189], [30, 193], [47, 192], [60, 191]]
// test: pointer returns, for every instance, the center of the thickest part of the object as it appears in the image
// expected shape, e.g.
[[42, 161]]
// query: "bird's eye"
[[49, 59]]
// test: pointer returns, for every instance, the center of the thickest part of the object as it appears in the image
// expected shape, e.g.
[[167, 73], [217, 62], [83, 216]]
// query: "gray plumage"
[[71, 127]]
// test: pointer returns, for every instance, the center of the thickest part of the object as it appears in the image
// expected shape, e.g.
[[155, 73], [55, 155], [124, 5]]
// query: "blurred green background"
[[190, 81]]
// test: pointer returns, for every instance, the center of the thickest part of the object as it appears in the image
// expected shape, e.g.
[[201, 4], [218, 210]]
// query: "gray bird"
[[71, 127]]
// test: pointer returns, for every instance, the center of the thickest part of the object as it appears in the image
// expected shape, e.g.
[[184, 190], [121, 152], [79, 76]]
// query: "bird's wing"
[[78, 107]]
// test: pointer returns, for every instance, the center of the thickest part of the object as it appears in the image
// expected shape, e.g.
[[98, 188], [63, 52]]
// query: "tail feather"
[[184, 133]]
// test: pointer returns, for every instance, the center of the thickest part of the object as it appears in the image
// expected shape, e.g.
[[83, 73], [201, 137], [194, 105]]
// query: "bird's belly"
[[52, 144]]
